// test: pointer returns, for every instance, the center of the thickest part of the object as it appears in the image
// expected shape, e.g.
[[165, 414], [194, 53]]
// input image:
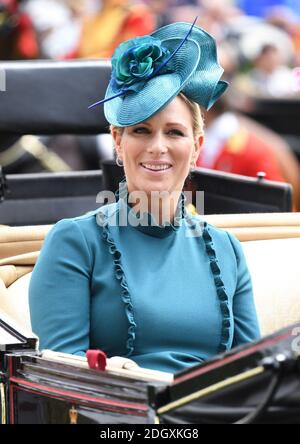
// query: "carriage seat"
[[271, 243]]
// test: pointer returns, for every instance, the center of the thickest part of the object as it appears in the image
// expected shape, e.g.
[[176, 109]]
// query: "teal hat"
[[149, 72]]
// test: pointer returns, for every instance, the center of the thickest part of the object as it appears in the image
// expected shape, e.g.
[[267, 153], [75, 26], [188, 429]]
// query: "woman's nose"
[[158, 144]]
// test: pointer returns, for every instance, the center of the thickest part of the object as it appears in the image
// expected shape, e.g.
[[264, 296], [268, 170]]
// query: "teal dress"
[[167, 297]]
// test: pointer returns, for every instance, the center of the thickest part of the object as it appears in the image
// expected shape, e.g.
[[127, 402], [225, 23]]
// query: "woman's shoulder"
[[87, 224], [216, 232], [217, 237]]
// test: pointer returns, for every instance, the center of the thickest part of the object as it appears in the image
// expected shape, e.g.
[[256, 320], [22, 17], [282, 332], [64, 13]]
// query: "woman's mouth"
[[156, 167]]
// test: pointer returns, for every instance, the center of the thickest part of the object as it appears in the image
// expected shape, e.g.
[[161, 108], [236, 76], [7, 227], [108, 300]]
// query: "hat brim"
[[205, 86], [158, 92]]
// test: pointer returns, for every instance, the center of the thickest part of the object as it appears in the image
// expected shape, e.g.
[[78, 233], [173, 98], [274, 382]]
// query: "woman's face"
[[158, 153]]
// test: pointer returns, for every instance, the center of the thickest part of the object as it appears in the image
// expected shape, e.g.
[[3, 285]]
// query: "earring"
[[119, 162]]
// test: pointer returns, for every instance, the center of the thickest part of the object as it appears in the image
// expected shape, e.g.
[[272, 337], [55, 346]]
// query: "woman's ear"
[[117, 136], [199, 141]]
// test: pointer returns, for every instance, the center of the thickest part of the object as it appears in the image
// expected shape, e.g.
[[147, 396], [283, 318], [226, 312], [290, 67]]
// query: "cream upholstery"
[[273, 260], [274, 267], [16, 303], [15, 241]]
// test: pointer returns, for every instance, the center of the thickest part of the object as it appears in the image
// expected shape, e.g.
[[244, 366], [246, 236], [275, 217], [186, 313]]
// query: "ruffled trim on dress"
[[220, 287], [125, 295]]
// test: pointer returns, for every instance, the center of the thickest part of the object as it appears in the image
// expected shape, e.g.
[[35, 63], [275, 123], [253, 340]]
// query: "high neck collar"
[[146, 222]]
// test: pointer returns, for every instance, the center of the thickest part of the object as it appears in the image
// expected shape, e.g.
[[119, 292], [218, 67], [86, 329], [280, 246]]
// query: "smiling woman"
[[159, 153], [164, 288]]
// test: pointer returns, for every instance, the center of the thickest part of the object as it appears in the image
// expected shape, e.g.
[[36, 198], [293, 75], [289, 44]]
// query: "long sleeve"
[[59, 293], [246, 327]]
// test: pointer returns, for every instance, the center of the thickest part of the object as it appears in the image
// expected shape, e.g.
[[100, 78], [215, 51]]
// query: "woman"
[[149, 281]]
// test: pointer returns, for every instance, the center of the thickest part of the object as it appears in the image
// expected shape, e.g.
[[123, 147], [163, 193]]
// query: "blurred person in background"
[[58, 25], [116, 21], [213, 15], [270, 76], [17, 35], [162, 10], [237, 144], [230, 146], [284, 18], [216, 15]]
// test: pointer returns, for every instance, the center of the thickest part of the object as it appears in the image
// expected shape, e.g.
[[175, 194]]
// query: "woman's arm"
[[59, 292], [246, 327]]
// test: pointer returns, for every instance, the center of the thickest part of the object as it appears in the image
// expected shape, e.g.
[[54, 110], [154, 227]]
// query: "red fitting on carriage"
[[96, 359]]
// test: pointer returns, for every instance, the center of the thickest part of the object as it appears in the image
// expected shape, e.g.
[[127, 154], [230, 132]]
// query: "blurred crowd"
[[259, 41], [259, 48]]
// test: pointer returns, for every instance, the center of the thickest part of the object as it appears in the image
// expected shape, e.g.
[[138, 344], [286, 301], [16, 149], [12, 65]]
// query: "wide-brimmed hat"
[[149, 72]]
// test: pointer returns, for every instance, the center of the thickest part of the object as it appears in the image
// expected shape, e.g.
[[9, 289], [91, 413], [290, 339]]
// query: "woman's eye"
[[176, 132], [144, 130], [140, 130]]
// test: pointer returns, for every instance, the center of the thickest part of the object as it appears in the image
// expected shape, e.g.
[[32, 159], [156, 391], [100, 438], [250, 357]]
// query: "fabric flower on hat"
[[135, 61]]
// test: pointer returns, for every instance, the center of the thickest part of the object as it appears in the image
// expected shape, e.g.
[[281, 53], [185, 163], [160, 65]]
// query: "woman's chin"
[[155, 188]]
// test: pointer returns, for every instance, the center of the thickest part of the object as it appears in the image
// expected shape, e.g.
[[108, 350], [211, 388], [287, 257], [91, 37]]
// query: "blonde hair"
[[197, 117], [198, 120]]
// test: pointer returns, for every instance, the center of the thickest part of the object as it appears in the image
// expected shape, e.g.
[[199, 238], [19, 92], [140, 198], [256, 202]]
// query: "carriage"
[[258, 383]]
